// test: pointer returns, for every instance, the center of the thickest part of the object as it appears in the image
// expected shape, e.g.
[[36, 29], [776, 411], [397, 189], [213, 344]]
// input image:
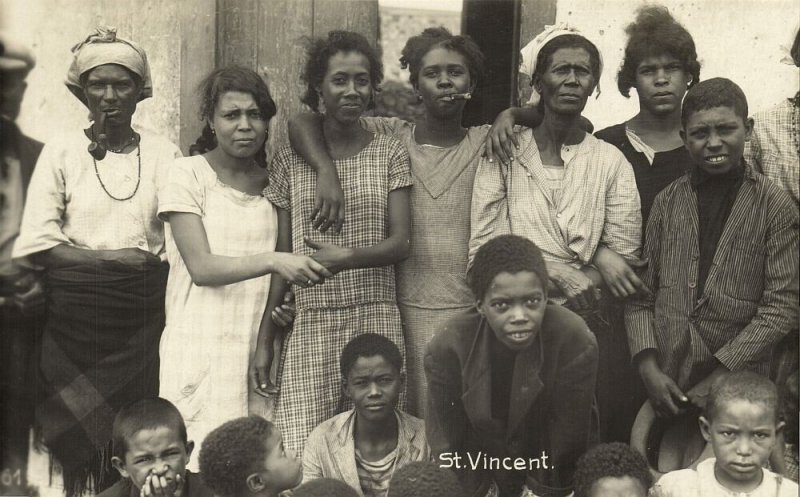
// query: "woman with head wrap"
[[573, 195], [90, 221]]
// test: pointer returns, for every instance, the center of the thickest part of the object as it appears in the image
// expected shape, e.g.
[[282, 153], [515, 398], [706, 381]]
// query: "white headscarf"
[[530, 53], [103, 47]]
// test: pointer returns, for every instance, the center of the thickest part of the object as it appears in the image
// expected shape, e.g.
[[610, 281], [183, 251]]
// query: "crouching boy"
[[364, 446], [511, 384], [151, 453]]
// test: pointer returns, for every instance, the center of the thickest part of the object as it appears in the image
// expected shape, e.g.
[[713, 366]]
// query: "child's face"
[[443, 71], [281, 469], [624, 486], [514, 306], [158, 451], [742, 434], [715, 138], [373, 385]]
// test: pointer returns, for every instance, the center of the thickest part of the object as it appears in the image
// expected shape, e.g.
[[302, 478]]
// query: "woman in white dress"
[[221, 237]]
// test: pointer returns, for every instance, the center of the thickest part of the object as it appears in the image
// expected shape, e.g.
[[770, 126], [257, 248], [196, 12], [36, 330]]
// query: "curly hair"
[[742, 385], [545, 57], [324, 487], [505, 253], [714, 92], [319, 52], [418, 46], [146, 414], [615, 460], [369, 345], [655, 32], [424, 478], [221, 81], [231, 452]]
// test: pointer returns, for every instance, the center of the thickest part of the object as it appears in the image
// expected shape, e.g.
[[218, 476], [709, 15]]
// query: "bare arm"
[[268, 329], [501, 137], [393, 249], [308, 140], [207, 269]]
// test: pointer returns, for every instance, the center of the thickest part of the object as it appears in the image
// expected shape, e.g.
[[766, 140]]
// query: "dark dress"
[[620, 390], [650, 179]]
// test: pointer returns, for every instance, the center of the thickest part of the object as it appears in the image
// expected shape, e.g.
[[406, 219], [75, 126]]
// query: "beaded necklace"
[[138, 174]]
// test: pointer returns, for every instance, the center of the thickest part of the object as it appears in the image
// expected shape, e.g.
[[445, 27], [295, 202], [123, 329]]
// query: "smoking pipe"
[[97, 149]]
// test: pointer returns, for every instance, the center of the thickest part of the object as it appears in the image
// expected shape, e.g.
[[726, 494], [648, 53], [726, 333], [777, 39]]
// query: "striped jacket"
[[750, 294]]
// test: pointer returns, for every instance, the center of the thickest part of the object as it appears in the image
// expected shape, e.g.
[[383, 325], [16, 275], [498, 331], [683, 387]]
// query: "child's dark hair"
[[795, 50], [221, 81], [424, 478], [615, 460], [146, 414], [714, 92], [369, 345], [742, 385], [654, 33], [230, 453], [505, 253], [319, 52], [789, 408], [545, 57], [418, 46], [324, 487]]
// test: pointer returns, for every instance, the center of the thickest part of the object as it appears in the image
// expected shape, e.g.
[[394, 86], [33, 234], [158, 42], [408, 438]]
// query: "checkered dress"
[[354, 301]]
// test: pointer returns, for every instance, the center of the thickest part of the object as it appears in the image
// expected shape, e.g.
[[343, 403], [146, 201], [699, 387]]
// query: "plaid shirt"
[[599, 202], [366, 178], [748, 302], [773, 149]]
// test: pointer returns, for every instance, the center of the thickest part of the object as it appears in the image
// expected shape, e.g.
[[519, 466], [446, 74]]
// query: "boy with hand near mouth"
[[511, 382], [363, 447], [741, 424], [723, 251], [151, 453]]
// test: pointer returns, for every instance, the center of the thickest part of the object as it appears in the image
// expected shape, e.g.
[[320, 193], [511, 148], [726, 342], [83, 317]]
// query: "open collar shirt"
[[598, 202]]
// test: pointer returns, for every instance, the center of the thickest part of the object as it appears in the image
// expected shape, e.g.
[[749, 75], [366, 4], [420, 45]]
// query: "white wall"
[[737, 39]]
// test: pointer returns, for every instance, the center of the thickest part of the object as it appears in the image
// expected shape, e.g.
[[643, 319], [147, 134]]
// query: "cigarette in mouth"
[[457, 96]]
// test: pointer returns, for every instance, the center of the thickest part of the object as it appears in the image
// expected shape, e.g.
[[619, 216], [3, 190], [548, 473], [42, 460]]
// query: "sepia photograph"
[[399, 248]]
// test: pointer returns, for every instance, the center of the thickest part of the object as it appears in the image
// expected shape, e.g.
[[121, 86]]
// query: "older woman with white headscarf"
[[90, 221]]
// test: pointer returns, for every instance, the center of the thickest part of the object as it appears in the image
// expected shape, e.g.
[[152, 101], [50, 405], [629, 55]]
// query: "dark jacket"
[[27, 149], [550, 410]]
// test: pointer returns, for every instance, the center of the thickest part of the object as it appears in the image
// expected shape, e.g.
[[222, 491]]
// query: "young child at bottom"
[[741, 424], [424, 479], [612, 470], [364, 446], [324, 487], [511, 386], [245, 457], [150, 451]]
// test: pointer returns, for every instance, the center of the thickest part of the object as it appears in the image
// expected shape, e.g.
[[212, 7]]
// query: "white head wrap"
[[530, 53], [103, 47]]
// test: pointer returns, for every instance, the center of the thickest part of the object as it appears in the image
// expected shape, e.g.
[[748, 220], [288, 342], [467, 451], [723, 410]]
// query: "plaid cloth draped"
[[99, 352]]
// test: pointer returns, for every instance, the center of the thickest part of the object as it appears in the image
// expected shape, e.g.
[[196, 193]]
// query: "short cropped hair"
[[319, 53], [324, 487], [545, 57], [146, 414], [795, 50], [418, 46], [714, 92], [369, 345], [742, 385], [654, 33], [231, 452], [615, 460], [422, 479], [505, 253]]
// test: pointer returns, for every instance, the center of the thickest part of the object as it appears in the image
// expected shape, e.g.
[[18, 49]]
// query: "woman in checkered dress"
[[341, 72]]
